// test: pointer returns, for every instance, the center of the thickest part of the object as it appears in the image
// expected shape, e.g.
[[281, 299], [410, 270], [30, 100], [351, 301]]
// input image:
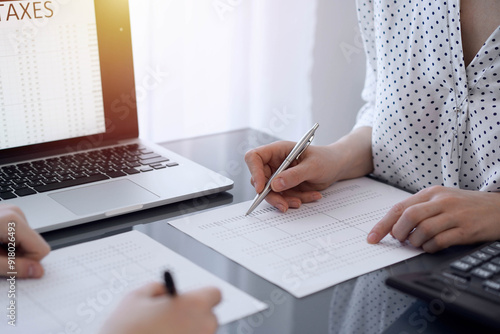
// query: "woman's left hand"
[[439, 217], [30, 247]]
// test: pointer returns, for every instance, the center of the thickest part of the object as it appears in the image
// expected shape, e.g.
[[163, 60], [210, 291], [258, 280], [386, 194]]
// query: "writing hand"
[[298, 184], [150, 310]]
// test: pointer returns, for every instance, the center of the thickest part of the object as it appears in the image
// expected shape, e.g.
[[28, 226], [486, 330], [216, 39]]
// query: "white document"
[[83, 284], [308, 249]]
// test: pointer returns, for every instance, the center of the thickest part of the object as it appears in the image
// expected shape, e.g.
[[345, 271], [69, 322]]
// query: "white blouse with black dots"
[[434, 120]]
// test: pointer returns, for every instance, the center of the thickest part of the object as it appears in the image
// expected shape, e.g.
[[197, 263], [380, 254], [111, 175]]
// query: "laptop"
[[467, 285], [70, 151]]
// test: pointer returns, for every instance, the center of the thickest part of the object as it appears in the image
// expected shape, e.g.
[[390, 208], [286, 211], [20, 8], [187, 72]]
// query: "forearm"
[[353, 154]]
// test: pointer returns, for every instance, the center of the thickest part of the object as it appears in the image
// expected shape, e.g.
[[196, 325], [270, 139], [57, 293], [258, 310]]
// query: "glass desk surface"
[[286, 314]]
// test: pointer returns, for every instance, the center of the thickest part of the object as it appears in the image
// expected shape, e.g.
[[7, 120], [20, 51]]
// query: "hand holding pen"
[[288, 185], [317, 168], [157, 307]]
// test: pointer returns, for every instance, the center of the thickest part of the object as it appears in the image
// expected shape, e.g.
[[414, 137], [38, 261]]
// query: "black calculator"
[[468, 285]]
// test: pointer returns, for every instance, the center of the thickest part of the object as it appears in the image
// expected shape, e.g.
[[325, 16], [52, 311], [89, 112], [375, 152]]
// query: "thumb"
[[290, 177], [209, 296], [152, 289]]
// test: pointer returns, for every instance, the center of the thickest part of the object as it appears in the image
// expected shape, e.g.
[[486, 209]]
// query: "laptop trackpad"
[[106, 197]]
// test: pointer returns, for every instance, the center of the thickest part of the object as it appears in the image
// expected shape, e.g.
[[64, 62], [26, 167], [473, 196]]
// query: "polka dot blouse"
[[434, 120]]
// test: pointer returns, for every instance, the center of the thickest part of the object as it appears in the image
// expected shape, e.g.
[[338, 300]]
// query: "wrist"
[[352, 154]]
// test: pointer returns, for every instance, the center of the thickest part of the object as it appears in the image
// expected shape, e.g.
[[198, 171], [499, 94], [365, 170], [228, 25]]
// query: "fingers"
[[429, 229], [433, 219], [278, 201], [263, 161], [209, 296], [29, 243], [385, 225], [295, 198], [256, 166], [152, 289], [444, 240], [291, 199], [403, 217], [13, 209], [291, 177], [260, 159], [413, 219], [24, 268], [293, 202], [30, 246]]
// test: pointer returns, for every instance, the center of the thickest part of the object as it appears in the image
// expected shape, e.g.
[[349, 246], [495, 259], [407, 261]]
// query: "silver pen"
[[298, 149]]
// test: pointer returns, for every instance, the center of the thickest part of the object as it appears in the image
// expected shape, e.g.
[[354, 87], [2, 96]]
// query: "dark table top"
[[224, 154]]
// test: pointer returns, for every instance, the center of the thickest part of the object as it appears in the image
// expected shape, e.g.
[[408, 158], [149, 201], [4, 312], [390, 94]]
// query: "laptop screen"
[[50, 75], [66, 75]]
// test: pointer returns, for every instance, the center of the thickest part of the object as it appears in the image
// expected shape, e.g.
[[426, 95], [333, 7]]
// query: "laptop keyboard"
[[44, 175]]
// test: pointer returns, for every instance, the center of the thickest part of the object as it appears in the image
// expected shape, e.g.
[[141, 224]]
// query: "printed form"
[[84, 283], [309, 249]]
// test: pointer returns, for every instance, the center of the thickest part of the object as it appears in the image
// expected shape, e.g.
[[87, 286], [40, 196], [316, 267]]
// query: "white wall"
[[210, 66], [337, 76]]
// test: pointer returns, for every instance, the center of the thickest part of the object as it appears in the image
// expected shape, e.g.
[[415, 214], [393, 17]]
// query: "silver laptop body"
[[67, 96]]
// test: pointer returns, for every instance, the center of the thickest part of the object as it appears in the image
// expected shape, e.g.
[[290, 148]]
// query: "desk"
[[224, 153]]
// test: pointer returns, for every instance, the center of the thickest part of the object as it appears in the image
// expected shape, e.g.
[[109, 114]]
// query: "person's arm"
[[320, 166], [316, 169], [31, 248], [150, 310]]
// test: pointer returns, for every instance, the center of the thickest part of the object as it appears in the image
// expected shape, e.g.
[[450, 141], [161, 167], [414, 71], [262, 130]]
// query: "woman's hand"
[[316, 169], [438, 217], [298, 184], [31, 248], [150, 310]]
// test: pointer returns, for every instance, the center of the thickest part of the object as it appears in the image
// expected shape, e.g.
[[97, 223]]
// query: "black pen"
[[169, 284]]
